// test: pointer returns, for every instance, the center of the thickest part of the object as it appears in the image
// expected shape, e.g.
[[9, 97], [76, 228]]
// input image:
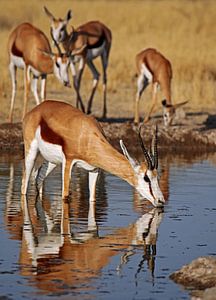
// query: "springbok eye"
[[62, 29], [146, 178], [57, 64]]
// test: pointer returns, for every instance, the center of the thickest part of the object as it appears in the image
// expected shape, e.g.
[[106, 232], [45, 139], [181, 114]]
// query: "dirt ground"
[[194, 132]]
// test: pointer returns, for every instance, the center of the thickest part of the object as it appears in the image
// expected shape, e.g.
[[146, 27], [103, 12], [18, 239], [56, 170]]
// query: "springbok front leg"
[[76, 82], [34, 85], [43, 87], [104, 59]]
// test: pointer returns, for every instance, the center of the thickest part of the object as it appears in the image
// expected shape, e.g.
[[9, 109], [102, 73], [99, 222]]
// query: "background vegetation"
[[184, 31]]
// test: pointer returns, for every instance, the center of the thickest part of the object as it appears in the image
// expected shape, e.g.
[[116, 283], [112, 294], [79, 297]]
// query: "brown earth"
[[196, 132]]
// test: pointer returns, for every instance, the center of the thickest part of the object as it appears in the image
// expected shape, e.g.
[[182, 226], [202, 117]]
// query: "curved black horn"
[[145, 152], [56, 44]]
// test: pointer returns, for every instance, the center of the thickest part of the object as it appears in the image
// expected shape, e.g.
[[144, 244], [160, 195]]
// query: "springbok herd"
[[64, 134]]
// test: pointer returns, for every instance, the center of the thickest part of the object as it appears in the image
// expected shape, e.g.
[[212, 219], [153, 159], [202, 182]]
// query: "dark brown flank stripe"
[[16, 51], [48, 135]]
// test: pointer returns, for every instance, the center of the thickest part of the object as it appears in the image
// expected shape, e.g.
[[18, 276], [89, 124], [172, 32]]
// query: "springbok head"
[[146, 172], [58, 26], [169, 111], [61, 62]]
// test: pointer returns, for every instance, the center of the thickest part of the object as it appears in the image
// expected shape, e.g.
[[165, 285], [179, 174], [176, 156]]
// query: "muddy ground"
[[196, 132]]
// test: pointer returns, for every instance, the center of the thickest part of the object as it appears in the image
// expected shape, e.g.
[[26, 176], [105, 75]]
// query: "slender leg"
[[66, 176], [43, 87], [92, 185], [27, 83], [104, 59], [96, 76], [12, 69], [154, 101], [92, 225], [76, 82], [34, 89], [44, 170], [142, 83], [30, 157]]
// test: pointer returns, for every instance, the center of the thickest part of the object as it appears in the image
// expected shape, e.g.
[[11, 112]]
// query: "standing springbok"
[[154, 68], [29, 49], [89, 41], [64, 134]]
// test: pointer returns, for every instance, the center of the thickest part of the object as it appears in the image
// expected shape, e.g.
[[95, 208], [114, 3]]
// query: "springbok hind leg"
[[30, 157], [154, 101]]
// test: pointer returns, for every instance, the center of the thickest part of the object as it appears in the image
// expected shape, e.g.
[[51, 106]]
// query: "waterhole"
[[118, 247]]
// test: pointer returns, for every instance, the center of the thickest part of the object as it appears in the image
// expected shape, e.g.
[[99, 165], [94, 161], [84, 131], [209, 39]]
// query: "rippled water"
[[119, 247]]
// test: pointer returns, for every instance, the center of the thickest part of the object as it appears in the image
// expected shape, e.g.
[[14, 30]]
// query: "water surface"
[[118, 247]]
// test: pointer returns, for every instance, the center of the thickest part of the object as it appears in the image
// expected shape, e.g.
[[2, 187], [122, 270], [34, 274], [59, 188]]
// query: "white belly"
[[18, 61], [95, 52], [51, 152]]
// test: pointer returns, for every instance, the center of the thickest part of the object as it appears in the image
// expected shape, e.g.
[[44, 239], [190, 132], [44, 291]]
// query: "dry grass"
[[184, 31]]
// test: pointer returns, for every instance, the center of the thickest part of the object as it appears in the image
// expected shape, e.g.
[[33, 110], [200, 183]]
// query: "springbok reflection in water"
[[60, 241]]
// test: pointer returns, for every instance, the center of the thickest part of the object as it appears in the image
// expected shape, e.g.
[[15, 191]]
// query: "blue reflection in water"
[[118, 247]]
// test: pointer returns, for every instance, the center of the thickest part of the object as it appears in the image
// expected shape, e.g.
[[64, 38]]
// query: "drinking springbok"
[[87, 42], [29, 49], [154, 68], [63, 134]]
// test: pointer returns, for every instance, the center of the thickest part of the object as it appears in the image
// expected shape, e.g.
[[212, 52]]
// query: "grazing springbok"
[[89, 41], [29, 49], [154, 68], [64, 134]]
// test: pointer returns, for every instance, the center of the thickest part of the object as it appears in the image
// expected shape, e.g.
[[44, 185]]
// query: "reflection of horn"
[[145, 152], [56, 44]]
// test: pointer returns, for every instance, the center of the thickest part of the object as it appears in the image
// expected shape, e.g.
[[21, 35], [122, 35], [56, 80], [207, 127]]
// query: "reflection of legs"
[[96, 76], [30, 157], [142, 83], [44, 170], [12, 69], [154, 100], [66, 176], [92, 185]]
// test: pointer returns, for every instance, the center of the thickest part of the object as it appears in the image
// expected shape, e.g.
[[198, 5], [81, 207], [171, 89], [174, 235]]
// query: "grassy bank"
[[184, 31]]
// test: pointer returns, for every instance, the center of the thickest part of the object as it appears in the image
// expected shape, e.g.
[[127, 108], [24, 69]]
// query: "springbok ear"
[[132, 161], [68, 16], [48, 13]]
